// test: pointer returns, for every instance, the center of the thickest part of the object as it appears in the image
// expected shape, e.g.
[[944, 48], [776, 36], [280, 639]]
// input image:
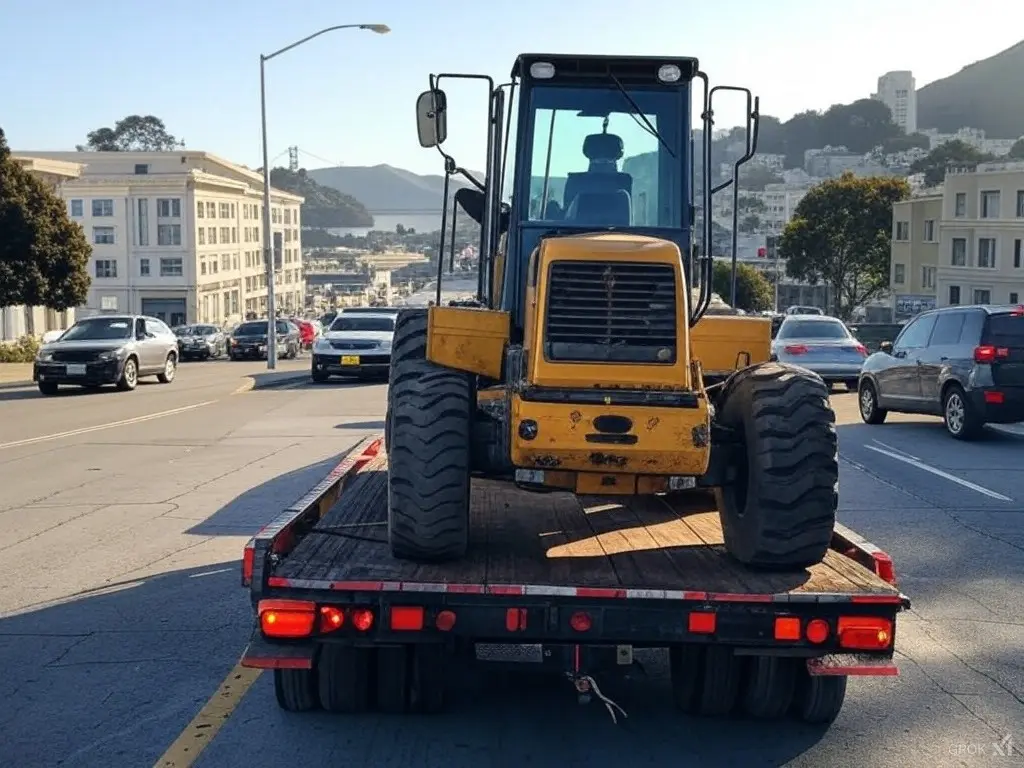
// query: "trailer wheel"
[[769, 686], [686, 669], [343, 677], [779, 511], [721, 682], [429, 678], [393, 673], [819, 698], [429, 453], [296, 690]]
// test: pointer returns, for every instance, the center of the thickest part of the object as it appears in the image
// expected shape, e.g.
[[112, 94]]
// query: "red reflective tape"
[[878, 599], [866, 670], [278, 581], [695, 595], [262, 662], [465, 589], [506, 589], [599, 592], [357, 586], [731, 597]]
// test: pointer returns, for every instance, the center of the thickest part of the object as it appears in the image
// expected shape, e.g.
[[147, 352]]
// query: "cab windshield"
[[594, 162]]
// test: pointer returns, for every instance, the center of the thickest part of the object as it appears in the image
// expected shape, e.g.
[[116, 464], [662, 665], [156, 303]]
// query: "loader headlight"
[[543, 70], [669, 73]]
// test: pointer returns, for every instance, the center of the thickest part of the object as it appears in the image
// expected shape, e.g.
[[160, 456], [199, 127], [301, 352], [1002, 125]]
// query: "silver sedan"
[[820, 344]]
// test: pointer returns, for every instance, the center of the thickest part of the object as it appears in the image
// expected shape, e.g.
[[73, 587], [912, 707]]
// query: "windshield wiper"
[[639, 117]]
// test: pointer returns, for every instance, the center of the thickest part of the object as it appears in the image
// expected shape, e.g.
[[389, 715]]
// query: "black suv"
[[965, 364]]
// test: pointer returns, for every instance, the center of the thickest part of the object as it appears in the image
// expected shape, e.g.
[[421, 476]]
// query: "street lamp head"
[[380, 29]]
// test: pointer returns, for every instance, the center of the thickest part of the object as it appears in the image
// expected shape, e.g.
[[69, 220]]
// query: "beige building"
[[915, 255], [16, 322], [178, 235]]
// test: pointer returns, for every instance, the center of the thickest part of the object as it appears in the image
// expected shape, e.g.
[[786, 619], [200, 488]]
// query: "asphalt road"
[[122, 612]]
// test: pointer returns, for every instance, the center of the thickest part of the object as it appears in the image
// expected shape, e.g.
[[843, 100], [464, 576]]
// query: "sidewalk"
[[15, 375]]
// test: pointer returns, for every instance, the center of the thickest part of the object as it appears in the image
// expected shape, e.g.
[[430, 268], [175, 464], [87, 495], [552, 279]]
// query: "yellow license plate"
[[350, 359]]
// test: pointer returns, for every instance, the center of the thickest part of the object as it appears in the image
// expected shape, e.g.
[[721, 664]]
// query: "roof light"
[[542, 70], [669, 73]]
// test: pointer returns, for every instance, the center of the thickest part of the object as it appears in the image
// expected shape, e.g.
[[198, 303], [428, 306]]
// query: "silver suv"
[[108, 349]]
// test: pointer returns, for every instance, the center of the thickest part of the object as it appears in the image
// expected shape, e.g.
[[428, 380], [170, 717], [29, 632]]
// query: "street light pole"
[[268, 236]]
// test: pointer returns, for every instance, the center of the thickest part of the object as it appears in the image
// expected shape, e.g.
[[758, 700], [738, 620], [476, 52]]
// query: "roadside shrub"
[[23, 350]]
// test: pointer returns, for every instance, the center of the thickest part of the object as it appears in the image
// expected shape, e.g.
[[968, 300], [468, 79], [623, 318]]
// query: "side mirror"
[[432, 118], [885, 346]]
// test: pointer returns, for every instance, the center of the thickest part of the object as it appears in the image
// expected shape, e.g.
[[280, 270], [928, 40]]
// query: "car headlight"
[[386, 345], [111, 354], [322, 345], [44, 356]]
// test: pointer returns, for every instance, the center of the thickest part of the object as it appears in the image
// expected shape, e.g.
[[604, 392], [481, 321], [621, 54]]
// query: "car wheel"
[[48, 388], [170, 369], [129, 376], [867, 399], [959, 417]]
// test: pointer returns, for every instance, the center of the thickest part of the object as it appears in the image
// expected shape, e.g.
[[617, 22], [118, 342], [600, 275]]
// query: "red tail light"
[[864, 633], [862, 349], [989, 354], [331, 618], [796, 349]]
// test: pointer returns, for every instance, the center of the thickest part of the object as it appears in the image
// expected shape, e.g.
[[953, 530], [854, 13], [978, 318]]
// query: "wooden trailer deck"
[[558, 539]]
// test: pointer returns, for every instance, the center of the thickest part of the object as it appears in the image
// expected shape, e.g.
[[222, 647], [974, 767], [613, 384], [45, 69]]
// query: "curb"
[[16, 384], [250, 383]]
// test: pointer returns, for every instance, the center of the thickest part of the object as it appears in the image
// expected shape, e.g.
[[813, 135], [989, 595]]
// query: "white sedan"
[[356, 344]]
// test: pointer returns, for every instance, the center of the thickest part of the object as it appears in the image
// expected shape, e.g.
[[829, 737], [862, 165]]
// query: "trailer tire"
[[429, 678], [721, 682], [343, 677], [296, 690], [819, 698], [393, 678], [686, 670], [429, 449], [779, 511], [769, 686]]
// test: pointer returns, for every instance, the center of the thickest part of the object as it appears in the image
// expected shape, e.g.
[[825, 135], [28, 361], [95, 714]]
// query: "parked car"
[[820, 344], [802, 310], [963, 363], [307, 332], [871, 335], [107, 349], [201, 341], [356, 344], [249, 340]]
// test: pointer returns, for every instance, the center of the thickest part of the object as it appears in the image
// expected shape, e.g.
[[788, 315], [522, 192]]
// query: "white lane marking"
[[939, 473], [894, 449], [98, 427]]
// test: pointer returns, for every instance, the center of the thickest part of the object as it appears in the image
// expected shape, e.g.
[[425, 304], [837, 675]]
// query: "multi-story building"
[[898, 91], [915, 254], [16, 322], [178, 235], [974, 137]]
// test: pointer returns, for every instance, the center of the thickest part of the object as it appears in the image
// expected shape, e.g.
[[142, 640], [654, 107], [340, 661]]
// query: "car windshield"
[[368, 310], [357, 323], [99, 329], [813, 329], [251, 329]]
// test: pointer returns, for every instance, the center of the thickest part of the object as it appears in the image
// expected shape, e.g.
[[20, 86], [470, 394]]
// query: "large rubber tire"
[[296, 690], [428, 689], [819, 699], [343, 677], [48, 388], [430, 411], [769, 685], [394, 673], [779, 511]]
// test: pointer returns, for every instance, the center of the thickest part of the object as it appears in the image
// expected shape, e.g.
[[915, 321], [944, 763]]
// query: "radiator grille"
[[612, 312], [76, 355]]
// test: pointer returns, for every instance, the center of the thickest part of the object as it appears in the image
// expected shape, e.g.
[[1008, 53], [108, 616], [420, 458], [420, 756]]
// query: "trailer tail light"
[[248, 561], [445, 621], [787, 628], [406, 618], [287, 618], [362, 619], [580, 621], [817, 631], [702, 623], [515, 619], [796, 349], [987, 353], [864, 633], [331, 618]]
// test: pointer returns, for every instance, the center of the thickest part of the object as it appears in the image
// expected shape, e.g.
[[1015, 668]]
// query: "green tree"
[[755, 178], [44, 256], [1017, 150], [951, 153], [751, 204], [135, 133], [754, 292], [840, 235]]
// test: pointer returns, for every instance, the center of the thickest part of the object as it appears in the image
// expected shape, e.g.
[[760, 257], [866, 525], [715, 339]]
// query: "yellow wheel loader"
[[587, 362]]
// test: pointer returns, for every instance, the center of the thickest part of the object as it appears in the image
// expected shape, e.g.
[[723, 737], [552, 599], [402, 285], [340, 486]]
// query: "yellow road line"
[[204, 726]]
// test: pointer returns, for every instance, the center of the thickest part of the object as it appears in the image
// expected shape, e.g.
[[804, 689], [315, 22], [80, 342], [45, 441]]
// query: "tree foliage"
[[1017, 150], [324, 206], [135, 133], [840, 235], [754, 293], [44, 256], [951, 153]]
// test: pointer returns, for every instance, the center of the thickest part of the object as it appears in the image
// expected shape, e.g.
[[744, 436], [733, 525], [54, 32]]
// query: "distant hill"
[[986, 95], [324, 206], [383, 188]]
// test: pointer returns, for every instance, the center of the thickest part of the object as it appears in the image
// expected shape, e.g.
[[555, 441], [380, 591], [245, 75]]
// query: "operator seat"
[[604, 184]]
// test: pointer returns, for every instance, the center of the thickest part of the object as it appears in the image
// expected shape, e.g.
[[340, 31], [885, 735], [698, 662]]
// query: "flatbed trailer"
[[554, 580]]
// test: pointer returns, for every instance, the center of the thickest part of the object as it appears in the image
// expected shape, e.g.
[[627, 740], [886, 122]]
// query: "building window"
[[211, 210], [982, 296], [171, 267], [986, 253], [225, 234], [77, 209], [1017, 253], [201, 234], [234, 234], [168, 208], [144, 267], [954, 295], [899, 274], [989, 205], [902, 230], [103, 235], [225, 210], [106, 268], [929, 231], [211, 236], [958, 258], [928, 277], [960, 205], [168, 234], [102, 207], [143, 221], [1013, 297], [200, 210], [1020, 203]]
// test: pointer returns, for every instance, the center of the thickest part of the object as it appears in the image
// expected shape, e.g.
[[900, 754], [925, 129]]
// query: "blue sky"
[[349, 96]]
